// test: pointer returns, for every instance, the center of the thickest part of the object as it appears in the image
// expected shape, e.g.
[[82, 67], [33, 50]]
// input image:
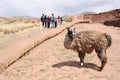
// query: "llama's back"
[[87, 41], [92, 39]]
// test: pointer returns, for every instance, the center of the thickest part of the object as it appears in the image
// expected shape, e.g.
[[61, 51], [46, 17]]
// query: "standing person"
[[55, 22], [48, 21], [45, 20], [52, 20], [61, 19], [42, 20]]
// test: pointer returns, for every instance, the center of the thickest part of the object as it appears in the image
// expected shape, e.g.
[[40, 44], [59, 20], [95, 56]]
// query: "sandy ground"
[[51, 61]]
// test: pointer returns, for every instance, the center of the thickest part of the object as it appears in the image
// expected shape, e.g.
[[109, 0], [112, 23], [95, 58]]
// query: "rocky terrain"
[[110, 18]]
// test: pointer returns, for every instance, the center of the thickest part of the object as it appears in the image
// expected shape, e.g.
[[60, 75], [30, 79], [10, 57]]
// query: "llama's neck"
[[67, 42]]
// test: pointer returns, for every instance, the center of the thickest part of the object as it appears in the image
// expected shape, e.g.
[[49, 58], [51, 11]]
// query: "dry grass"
[[16, 27], [68, 18], [10, 25]]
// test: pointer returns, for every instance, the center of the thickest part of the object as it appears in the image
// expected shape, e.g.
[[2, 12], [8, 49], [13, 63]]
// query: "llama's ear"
[[74, 29], [68, 29]]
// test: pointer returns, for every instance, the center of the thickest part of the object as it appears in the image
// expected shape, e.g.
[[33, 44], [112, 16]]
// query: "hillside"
[[110, 18]]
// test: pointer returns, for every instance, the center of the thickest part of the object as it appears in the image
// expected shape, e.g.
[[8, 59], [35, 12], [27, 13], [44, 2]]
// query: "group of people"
[[50, 21]]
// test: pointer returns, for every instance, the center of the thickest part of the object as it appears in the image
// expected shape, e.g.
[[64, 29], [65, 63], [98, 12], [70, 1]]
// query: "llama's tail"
[[109, 39]]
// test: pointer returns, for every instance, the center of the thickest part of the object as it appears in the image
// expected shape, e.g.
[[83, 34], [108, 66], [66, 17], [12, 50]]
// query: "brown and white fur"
[[86, 41]]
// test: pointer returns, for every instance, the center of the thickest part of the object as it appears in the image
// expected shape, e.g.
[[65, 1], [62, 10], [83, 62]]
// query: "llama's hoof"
[[100, 68], [81, 64]]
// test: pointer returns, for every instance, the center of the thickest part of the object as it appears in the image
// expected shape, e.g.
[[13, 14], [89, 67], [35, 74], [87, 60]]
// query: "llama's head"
[[71, 33]]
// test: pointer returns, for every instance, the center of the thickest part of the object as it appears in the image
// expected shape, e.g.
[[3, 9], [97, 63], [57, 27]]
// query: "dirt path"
[[50, 61]]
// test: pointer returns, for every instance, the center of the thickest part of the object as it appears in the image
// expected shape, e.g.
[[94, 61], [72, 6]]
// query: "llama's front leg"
[[81, 56]]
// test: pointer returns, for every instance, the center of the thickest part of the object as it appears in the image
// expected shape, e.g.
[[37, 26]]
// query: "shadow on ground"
[[76, 64]]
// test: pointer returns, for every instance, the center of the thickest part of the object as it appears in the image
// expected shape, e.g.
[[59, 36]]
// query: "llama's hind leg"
[[103, 57], [81, 56]]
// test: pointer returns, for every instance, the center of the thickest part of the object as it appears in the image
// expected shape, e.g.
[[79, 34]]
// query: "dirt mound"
[[110, 18]]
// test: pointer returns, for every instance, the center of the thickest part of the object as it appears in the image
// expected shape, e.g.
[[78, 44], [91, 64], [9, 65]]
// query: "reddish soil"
[[109, 18], [51, 61]]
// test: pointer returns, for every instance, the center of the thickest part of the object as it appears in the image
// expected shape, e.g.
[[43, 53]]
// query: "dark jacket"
[[42, 18]]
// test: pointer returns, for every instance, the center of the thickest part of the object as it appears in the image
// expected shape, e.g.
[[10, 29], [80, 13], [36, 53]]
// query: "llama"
[[87, 41]]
